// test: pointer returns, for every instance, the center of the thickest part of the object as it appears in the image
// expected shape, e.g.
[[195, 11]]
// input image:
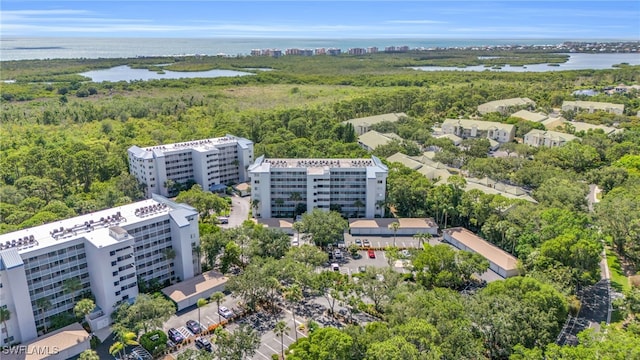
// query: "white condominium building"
[[478, 129], [108, 251], [212, 163], [355, 187]]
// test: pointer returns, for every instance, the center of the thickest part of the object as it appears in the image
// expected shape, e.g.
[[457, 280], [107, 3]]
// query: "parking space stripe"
[[263, 355], [274, 350]]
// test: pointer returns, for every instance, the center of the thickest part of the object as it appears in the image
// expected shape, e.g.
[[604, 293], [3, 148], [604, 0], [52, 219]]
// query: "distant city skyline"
[[610, 20]]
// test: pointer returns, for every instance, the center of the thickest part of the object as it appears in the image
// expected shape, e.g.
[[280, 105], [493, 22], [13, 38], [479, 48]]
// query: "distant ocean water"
[[93, 48]]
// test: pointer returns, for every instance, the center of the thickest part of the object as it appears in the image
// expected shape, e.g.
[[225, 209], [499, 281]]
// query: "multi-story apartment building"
[[210, 162], [499, 132], [355, 187], [108, 251]]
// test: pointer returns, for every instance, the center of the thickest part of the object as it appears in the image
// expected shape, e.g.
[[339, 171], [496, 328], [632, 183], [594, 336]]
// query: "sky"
[[515, 19]]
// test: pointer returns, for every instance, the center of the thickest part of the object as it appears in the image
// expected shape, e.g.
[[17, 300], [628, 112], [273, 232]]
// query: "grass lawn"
[[618, 280]]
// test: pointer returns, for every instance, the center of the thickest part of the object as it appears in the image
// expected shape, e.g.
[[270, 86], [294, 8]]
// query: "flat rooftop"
[[195, 286], [311, 163], [51, 344], [205, 144], [93, 226], [318, 166], [479, 245], [406, 223], [276, 223]]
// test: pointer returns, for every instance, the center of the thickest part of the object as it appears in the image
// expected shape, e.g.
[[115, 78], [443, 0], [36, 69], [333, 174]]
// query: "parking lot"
[[208, 316], [402, 242]]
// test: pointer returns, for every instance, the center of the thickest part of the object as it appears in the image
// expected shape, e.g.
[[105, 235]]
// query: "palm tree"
[[72, 286], [358, 204], [124, 338], [394, 226], [84, 307], [201, 302], [292, 295], [116, 349], [5, 315], [281, 329], [295, 197], [89, 355], [198, 251], [279, 202], [169, 254], [422, 238], [254, 205], [217, 298], [43, 304]]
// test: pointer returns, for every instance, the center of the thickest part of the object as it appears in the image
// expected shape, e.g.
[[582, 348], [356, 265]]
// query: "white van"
[[335, 267]]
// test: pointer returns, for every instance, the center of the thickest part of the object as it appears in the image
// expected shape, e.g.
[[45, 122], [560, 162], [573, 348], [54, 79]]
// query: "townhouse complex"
[[355, 187], [547, 138], [363, 125], [213, 163], [463, 128], [506, 106], [109, 251]]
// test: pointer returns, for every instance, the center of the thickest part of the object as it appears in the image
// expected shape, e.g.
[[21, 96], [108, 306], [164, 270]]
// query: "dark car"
[[193, 326], [203, 343], [175, 336]]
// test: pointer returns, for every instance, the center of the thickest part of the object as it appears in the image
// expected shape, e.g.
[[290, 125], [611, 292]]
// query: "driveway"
[[239, 211]]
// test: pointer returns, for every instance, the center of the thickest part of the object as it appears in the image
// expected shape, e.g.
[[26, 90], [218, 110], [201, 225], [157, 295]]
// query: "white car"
[[225, 312]]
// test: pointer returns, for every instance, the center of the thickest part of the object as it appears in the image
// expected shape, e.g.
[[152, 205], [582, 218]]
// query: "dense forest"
[[63, 153]]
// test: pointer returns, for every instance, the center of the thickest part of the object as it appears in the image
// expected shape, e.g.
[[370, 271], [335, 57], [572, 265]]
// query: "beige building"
[[592, 106], [362, 125], [500, 261], [505, 106], [477, 129], [547, 138], [582, 126], [530, 116], [372, 139]]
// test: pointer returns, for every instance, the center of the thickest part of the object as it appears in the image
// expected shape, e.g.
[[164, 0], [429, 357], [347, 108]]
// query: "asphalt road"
[[239, 211]]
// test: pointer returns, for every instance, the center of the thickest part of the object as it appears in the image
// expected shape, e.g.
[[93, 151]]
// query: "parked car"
[[358, 242], [337, 254], [175, 336], [372, 254], [203, 343], [335, 267], [223, 219], [194, 327], [366, 243], [225, 312]]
